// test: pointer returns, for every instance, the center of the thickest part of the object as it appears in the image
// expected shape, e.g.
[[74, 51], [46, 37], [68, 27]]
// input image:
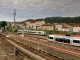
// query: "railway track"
[[45, 55], [72, 50], [11, 49], [64, 48], [21, 55], [44, 39], [36, 52]]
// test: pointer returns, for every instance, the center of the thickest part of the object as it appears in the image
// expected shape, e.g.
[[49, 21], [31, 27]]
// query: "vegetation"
[[10, 29], [62, 19], [3, 24], [60, 32]]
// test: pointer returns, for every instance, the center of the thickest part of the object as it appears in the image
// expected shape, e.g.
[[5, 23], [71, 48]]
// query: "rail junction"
[[41, 47], [26, 50]]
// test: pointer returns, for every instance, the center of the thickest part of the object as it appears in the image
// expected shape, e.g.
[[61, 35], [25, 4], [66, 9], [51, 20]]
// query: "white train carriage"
[[37, 32], [32, 32], [20, 31], [65, 39]]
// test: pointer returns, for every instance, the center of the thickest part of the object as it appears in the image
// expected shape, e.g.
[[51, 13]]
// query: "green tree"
[[3, 24]]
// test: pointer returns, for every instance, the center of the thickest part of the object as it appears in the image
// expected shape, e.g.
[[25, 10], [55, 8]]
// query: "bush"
[[15, 30]]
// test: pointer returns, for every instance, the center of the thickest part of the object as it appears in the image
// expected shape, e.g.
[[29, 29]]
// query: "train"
[[71, 40], [37, 32], [32, 32], [20, 31]]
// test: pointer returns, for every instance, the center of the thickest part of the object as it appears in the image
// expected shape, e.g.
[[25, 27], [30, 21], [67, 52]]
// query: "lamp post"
[[14, 16]]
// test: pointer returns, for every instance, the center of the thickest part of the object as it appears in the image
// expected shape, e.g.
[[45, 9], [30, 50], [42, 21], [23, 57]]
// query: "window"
[[39, 32], [76, 41], [59, 39], [51, 37], [66, 41]]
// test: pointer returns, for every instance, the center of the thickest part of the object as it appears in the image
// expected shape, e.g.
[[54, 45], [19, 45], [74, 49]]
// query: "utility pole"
[[14, 16]]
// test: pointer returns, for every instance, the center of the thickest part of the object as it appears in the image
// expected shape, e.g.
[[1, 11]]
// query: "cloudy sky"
[[26, 9]]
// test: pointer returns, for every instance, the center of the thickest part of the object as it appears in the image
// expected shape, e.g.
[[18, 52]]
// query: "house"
[[74, 27], [65, 28], [58, 27], [35, 24], [48, 27], [39, 23]]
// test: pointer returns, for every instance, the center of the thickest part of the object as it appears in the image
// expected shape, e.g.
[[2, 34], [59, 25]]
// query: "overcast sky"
[[26, 9]]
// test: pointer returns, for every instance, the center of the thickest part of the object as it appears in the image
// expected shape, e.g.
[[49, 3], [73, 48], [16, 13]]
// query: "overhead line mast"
[[14, 16]]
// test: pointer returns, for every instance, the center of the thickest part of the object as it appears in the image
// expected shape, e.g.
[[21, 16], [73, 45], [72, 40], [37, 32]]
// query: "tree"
[[3, 24]]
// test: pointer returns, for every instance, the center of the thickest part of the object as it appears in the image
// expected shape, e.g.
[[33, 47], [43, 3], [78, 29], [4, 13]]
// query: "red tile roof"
[[33, 21], [48, 25], [74, 24], [65, 27]]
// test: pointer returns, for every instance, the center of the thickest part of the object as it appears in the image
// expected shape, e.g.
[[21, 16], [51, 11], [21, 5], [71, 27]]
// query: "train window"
[[32, 32], [76, 41], [51, 37], [66, 41], [59, 39], [39, 32]]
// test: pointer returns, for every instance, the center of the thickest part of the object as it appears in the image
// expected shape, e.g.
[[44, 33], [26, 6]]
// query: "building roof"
[[33, 21], [29, 20], [74, 24], [65, 27], [48, 25], [39, 20]]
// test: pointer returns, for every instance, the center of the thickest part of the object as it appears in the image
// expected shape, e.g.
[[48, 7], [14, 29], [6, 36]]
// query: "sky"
[[33, 9]]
